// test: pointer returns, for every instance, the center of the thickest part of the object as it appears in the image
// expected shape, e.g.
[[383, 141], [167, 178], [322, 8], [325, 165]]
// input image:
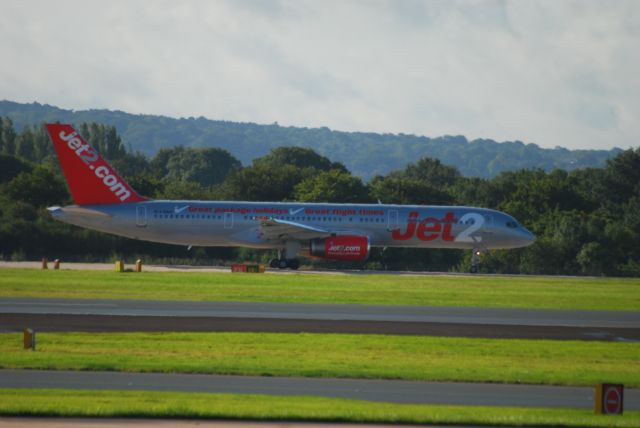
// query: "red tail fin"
[[91, 179]]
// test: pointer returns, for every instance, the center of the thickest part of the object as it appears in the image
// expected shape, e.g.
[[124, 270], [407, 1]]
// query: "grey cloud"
[[550, 72]]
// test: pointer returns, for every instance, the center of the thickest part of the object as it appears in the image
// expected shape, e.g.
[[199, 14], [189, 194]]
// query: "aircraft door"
[[228, 220], [392, 220], [487, 230], [141, 216]]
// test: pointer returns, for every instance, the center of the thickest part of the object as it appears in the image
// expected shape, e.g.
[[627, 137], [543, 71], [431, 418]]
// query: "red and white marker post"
[[609, 399]]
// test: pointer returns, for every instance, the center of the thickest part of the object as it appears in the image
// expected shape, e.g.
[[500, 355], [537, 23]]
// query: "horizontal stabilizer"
[[78, 212]]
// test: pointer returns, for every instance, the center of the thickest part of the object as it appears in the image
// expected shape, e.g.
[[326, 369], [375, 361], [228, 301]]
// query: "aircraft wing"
[[283, 229]]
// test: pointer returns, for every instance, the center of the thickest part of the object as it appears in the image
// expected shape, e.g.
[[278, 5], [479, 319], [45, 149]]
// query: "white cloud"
[[549, 72]]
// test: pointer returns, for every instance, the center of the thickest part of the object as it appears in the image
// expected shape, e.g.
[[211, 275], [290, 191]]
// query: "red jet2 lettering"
[[427, 230]]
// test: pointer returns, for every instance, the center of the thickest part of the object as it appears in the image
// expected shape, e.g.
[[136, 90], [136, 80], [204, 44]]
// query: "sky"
[[553, 73]]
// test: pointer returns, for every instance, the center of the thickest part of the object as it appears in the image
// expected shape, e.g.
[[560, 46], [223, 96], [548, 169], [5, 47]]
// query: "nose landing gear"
[[475, 260]]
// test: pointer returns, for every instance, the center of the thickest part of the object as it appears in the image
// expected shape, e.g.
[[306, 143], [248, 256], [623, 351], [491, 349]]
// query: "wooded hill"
[[364, 154]]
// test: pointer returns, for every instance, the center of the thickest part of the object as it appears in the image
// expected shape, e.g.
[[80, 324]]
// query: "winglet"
[[91, 180]]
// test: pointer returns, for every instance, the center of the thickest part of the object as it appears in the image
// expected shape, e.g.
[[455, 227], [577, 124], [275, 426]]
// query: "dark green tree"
[[11, 166], [331, 186], [274, 176], [7, 137], [39, 188], [263, 183], [623, 176], [205, 166], [407, 191], [25, 146], [299, 157], [432, 172]]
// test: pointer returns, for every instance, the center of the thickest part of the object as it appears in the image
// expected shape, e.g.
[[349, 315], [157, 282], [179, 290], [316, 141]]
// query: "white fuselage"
[[202, 223]]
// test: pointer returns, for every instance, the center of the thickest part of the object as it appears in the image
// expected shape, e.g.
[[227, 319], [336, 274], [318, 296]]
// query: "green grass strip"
[[70, 403], [333, 355], [515, 292]]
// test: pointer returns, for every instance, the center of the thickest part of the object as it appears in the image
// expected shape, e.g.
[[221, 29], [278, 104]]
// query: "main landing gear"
[[292, 264], [286, 256]]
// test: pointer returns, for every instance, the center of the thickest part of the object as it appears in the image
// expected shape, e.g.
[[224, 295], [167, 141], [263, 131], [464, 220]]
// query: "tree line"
[[587, 221], [365, 154]]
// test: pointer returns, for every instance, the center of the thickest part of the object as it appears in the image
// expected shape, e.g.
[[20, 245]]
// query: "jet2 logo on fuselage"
[[428, 229], [431, 228]]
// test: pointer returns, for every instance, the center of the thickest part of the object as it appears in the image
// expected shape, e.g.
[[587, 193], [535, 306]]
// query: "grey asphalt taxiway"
[[145, 315], [455, 393]]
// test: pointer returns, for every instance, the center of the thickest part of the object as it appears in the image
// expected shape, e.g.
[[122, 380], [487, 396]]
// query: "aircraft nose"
[[527, 237]]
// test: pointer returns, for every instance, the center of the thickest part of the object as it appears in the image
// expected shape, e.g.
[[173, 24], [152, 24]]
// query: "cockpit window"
[[512, 224]]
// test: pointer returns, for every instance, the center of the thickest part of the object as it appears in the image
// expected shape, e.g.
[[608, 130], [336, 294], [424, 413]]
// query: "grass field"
[[333, 355], [516, 292], [320, 355], [56, 402]]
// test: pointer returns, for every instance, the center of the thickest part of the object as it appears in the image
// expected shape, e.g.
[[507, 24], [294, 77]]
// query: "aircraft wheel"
[[294, 264]]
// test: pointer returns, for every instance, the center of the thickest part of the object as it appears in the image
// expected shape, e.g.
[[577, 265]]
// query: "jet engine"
[[343, 247]]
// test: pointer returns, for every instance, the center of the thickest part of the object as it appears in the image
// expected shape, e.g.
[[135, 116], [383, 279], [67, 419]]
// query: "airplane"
[[105, 202]]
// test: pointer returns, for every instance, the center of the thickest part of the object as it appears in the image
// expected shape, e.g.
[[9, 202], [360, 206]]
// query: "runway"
[[144, 315], [455, 393], [336, 312]]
